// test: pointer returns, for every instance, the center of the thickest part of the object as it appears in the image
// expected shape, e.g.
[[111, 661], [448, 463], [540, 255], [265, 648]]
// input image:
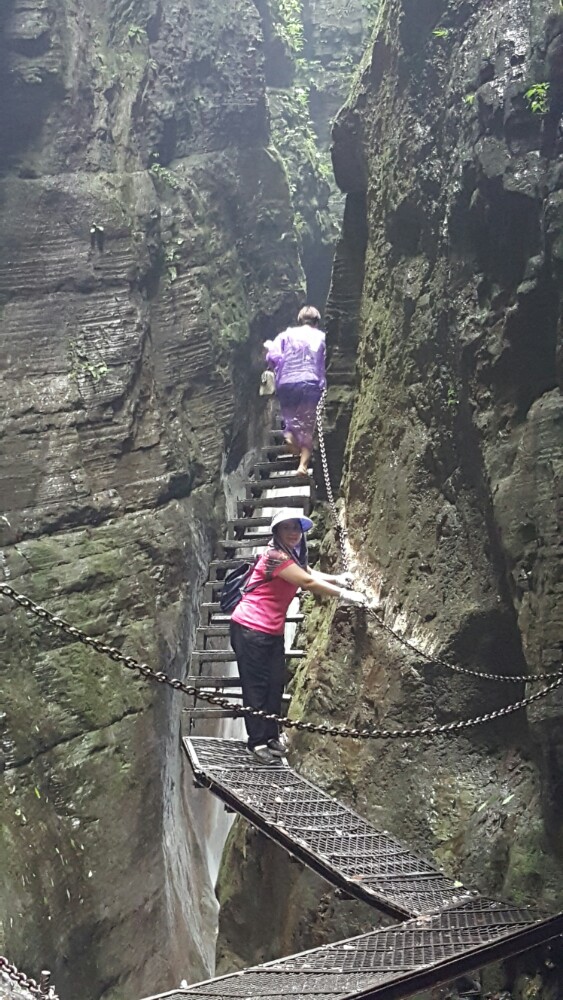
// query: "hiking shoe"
[[277, 748], [264, 755]]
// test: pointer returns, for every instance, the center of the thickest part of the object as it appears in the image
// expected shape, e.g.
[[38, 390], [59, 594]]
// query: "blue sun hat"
[[291, 514]]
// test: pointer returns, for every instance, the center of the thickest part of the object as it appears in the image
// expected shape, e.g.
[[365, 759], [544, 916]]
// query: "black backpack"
[[234, 586]]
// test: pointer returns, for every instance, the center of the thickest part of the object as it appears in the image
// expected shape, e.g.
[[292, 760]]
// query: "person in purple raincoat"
[[297, 357]]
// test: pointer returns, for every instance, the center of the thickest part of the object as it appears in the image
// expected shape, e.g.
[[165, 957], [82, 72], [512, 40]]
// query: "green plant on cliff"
[[172, 259], [136, 34], [288, 23], [537, 97], [371, 8], [294, 137], [165, 175], [82, 364], [308, 166], [451, 397], [440, 33]]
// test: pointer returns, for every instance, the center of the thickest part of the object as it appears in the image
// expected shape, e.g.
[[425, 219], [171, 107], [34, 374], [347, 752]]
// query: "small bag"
[[267, 383], [234, 586]]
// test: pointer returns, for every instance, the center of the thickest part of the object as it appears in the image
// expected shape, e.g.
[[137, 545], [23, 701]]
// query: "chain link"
[[158, 676], [342, 535], [436, 661], [41, 990], [339, 525]]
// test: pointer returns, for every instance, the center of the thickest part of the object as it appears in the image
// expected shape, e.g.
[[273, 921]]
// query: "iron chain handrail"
[[339, 525], [342, 535], [437, 661], [176, 684], [41, 990]]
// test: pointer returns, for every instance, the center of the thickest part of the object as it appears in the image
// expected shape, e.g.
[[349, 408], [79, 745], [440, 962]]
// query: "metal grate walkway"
[[327, 836], [392, 963]]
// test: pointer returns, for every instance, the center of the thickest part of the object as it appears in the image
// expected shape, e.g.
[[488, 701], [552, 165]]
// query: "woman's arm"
[[274, 350], [311, 580], [342, 579]]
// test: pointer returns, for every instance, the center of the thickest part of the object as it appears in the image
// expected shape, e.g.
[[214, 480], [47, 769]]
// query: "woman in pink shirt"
[[258, 624]]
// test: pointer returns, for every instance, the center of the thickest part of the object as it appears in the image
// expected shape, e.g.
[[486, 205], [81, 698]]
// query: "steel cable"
[[158, 676]]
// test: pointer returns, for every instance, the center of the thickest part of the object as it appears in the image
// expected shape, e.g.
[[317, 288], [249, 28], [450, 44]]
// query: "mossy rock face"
[[9, 990], [302, 906], [91, 750], [137, 285], [311, 50]]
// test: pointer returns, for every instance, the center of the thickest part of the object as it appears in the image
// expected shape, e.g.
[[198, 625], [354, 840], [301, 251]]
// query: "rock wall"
[[9, 990], [311, 48], [141, 266], [445, 316]]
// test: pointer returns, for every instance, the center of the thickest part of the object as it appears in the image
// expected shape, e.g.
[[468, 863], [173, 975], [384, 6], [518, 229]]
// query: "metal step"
[[232, 693], [328, 837], [277, 483], [209, 610], [275, 450], [239, 526], [213, 631], [227, 655], [205, 681], [211, 588], [213, 609], [248, 542], [281, 465], [210, 713], [223, 713], [248, 522], [251, 503]]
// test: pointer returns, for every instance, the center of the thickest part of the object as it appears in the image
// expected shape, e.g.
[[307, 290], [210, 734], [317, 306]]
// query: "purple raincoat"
[[298, 358]]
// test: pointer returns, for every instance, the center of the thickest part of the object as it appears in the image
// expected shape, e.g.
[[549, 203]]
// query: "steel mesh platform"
[[327, 836], [394, 962]]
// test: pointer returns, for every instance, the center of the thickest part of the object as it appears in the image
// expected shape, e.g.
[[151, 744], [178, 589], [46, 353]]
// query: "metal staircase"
[[272, 483]]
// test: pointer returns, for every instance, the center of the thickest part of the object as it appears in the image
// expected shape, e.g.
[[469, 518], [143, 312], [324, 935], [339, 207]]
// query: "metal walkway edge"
[[392, 963], [322, 833]]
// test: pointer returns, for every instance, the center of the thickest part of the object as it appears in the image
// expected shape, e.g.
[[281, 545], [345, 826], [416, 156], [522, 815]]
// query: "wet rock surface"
[[12, 991], [310, 52], [136, 286], [446, 306]]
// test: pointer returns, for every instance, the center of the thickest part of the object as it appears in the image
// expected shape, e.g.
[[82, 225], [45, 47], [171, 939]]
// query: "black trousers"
[[261, 667]]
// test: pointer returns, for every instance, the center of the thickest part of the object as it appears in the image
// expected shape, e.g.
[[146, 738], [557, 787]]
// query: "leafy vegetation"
[[371, 8], [440, 33], [165, 175], [537, 97], [136, 34], [288, 23], [469, 99], [451, 397], [308, 168], [82, 364], [172, 257], [294, 136]]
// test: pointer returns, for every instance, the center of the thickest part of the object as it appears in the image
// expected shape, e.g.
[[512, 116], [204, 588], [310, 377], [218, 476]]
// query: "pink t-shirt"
[[265, 608]]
